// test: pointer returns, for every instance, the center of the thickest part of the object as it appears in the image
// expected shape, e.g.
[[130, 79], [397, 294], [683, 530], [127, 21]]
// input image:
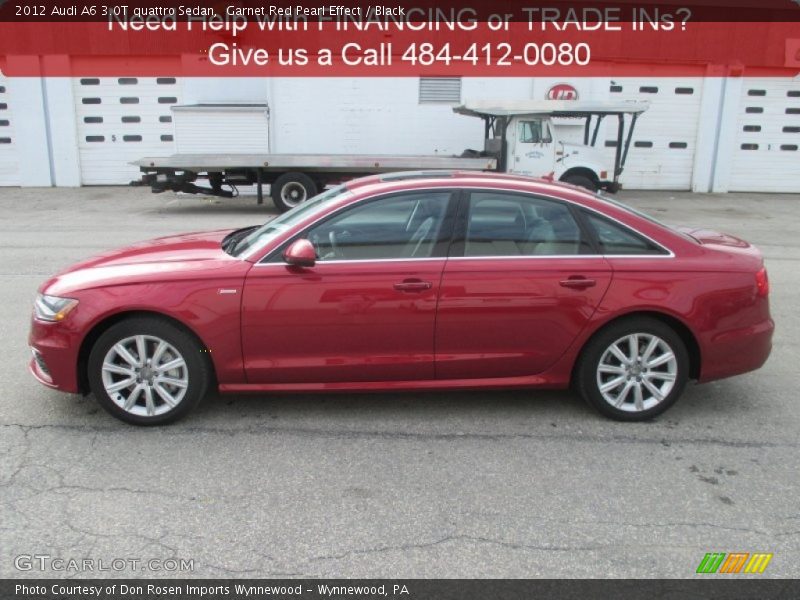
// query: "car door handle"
[[578, 282], [413, 285]]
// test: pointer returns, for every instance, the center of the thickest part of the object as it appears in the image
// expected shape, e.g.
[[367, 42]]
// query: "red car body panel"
[[480, 323], [180, 277], [511, 318], [335, 324]]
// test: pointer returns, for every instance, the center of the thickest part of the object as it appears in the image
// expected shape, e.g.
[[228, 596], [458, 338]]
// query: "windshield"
[[271, 229]]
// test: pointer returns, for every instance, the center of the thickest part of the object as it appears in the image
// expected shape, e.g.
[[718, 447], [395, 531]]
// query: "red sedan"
[[411, 281]]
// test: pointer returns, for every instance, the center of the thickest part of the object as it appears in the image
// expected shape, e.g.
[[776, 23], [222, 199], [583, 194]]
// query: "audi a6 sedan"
[[411, 281]]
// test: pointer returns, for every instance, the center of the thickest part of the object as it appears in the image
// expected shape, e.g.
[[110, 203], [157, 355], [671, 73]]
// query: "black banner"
[[743, 11], [706, 587]]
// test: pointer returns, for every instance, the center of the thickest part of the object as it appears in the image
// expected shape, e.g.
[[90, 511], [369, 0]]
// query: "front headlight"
[[53, 308]]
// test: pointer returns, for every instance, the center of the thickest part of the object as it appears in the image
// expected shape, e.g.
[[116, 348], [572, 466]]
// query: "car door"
[[366, 310], [521, 283], [533, 150]]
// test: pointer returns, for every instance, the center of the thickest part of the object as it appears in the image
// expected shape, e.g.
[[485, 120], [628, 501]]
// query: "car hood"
[[185, 255], [200, 245]]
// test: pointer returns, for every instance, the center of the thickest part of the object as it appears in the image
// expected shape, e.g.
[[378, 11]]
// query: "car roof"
[[408, 180]]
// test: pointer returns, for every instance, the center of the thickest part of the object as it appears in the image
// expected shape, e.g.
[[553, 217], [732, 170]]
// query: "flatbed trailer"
[[519, 137], [296, 176]]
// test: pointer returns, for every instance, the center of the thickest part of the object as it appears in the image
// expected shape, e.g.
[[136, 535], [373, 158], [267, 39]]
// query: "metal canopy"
[[554, 108]]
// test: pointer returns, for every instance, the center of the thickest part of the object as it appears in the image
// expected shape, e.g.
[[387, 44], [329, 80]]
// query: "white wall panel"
[[121, 119], [9, 156], [766, 153]]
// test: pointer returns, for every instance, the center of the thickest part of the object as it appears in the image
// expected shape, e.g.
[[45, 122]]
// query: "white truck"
[[521, 137]]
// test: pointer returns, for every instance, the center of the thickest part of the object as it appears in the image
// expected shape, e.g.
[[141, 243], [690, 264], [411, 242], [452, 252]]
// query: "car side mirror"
[[300, 253]]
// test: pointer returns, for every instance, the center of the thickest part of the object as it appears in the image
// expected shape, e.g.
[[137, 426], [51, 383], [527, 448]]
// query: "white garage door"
[[661, 154], [766, 157], [9, 162], [121, 119]]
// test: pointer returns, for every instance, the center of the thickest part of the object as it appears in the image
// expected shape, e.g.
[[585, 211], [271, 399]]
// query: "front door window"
[[395, 227]]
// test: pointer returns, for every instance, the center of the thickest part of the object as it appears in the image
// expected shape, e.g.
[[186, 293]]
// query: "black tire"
[[291, 189], [197, 371], [581, 181], [586, 372]]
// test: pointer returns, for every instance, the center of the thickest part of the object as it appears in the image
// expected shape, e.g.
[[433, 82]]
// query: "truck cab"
[[524, 137], [537, 151]]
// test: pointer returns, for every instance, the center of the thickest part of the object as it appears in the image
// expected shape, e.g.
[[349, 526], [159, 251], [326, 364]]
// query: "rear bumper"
[[54, 356], [737, 351]]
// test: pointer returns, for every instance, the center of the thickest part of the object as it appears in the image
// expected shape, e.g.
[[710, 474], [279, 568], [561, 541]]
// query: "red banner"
[[248, 40]]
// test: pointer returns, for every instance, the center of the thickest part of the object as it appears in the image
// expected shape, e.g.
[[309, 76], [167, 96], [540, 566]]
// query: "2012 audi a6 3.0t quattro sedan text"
[[411, 281]]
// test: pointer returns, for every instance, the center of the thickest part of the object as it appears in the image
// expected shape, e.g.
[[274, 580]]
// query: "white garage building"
[[702, 133]]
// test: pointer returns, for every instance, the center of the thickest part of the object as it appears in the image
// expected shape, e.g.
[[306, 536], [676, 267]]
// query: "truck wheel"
[[581, 181], [291, 189]]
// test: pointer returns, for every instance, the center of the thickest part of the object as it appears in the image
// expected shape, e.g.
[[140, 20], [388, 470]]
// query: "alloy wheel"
[[637, 372], [145, 375]]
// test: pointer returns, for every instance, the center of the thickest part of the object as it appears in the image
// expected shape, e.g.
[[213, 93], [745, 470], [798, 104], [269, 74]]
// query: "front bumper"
[[54, 360]]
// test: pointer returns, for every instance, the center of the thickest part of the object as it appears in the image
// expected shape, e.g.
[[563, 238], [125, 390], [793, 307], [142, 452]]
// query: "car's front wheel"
[[147, 371], [633, 370]]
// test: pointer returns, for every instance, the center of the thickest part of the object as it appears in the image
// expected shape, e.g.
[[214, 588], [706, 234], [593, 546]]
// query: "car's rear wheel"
[[633, 370], [147, 371]]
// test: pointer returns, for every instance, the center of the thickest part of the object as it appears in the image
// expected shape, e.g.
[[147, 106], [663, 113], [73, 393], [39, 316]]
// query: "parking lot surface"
[[455, 484]]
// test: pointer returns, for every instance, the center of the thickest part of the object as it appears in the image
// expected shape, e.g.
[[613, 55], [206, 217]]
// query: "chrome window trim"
[[533, 257], [470, 189], [557, 256], [472, 258], [359, 260]]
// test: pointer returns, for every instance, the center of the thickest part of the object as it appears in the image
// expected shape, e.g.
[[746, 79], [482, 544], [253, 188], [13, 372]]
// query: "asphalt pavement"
[[455, 484]]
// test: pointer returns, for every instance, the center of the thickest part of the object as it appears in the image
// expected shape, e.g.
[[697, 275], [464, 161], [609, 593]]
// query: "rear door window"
[[616, 239], [508, 224]]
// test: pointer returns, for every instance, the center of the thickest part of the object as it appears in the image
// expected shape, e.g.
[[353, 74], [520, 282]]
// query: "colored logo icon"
[[734, 562]]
